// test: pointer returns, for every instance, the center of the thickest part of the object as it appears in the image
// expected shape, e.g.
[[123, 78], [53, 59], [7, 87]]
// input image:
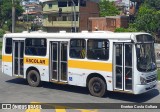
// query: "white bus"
[[100, 61]]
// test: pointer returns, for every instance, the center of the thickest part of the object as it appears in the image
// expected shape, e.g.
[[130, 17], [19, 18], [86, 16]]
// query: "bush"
[[125, 30], [120, 30], [2, 32]]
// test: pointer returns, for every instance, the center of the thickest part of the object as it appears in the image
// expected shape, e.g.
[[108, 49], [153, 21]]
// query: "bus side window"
[[98, 49], [35, 46], [8, 48], [78, 48]]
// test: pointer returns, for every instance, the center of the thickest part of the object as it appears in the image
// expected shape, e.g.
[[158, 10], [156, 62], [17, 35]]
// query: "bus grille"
[[151, 78]]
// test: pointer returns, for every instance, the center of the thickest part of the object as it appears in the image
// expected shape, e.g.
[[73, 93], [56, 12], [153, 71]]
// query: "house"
[[64, 15], [32, 11], [109, 23]]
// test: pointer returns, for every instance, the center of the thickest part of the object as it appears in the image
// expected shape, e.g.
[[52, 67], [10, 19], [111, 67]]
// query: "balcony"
[[65, 24]]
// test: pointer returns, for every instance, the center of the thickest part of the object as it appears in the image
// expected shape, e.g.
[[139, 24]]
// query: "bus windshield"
[[145, 57]]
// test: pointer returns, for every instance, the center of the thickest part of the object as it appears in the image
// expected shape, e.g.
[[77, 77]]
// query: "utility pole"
[[13, 16], [27, 21], [74, 13]]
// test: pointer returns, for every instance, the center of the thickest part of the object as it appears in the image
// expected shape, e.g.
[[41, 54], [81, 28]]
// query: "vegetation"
[[0, 46], [146, 19], [2, 32], [6, 13], [125, 29], [108, 8]]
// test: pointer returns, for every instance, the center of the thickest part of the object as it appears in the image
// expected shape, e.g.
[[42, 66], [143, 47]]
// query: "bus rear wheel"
[[97, 87], [33, 78]]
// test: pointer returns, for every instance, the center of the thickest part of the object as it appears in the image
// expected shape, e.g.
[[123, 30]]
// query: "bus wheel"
[[33, 78], [97, 87]]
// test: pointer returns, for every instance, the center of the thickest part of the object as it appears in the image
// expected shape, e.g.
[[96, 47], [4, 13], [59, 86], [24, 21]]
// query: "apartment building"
[[68, 14]]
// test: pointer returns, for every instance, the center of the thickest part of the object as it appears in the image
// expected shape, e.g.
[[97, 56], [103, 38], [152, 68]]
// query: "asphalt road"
[[14, 90]]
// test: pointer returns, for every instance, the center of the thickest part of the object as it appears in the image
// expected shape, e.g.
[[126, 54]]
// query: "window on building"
[[98, 49], [78, 48], [35, 46], [59, 18], [64, 18], [62, 3], [71, 4], [54, 18], [69, 17], [83, 3], [8, 48], [50, 5], [77, 17]]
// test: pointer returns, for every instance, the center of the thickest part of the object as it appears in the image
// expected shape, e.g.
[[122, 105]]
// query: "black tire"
[[33, 78], [97, 87]]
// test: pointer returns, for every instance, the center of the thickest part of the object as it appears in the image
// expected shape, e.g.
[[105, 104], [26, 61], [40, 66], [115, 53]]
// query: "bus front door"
[[123, 67], [58, 61], [18, 55]]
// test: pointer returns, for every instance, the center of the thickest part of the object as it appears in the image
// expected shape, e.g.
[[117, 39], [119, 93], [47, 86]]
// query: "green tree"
[[153, 3], [108, 8], [6, 12], [147, 19], [2, 32]]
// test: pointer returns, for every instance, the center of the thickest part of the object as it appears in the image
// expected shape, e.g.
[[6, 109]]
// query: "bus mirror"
[[133, 38]]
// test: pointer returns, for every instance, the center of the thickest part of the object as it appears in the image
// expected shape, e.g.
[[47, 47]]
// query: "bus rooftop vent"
[[62, 31], [102, 32], [25, 32], [39, 31], [85, 31]]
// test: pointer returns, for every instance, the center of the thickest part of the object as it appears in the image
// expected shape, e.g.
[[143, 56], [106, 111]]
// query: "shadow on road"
[[81, 90], [141, 98]]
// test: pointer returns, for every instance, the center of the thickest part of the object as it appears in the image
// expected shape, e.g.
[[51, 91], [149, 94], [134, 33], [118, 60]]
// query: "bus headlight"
[[143, 80]]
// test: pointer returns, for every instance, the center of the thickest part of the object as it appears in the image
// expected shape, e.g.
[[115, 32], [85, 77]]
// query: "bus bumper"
[[144, 88]]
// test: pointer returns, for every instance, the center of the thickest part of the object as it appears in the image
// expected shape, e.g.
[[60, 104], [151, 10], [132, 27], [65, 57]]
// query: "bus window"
[[35, 46], [8, 48], [98, 49], [78, 48]]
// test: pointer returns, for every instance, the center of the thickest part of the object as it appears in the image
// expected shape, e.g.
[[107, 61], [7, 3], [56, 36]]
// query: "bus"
[[101, 61]]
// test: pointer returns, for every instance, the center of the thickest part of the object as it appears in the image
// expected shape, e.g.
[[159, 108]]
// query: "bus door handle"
[[55, 70]]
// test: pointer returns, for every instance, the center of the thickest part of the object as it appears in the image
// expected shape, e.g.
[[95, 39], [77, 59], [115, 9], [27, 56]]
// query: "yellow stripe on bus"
[[90, 65], [6, 58], [28, 60], [37, 61]]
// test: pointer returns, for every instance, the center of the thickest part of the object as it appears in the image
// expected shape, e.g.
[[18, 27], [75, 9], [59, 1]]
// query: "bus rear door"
[[18, 56], [58, 61]]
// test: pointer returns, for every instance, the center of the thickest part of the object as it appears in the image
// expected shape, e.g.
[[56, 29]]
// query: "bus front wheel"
[[97, 87], [33, 78]]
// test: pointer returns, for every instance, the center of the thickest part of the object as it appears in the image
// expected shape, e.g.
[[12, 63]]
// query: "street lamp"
[[74, 12]]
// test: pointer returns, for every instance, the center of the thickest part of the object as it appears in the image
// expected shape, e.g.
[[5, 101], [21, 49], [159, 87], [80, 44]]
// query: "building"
[[32, 8], [109, 23], [59, 14], [32, 11]]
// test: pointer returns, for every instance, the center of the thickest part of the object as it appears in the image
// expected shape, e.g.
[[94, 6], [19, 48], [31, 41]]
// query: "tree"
[[108, 8], [6, 12], [153, 3], [147, 19]]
